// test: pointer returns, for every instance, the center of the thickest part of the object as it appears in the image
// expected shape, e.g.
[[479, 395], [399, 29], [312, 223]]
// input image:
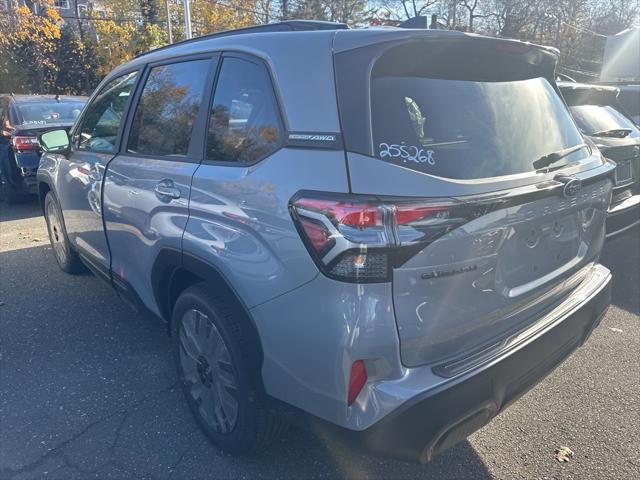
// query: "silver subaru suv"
[[391, 233]]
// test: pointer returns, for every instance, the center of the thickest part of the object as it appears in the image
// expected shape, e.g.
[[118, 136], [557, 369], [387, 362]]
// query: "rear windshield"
[[44, 113], [469, 129], [602, 119]]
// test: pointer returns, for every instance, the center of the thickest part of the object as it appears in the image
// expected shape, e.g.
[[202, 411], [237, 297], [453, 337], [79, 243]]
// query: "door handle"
[[166, 189]]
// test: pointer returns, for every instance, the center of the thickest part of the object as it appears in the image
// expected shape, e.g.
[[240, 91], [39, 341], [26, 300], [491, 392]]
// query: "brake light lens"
[[25, 143], [318, 235], [359, 215], [361, 240], [357, 380]]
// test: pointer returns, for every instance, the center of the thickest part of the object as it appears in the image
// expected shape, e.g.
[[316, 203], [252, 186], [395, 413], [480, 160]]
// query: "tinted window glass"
[[469, 129], [44, 113], [103, 117], [244, 125], [603, 120], [168, 109]]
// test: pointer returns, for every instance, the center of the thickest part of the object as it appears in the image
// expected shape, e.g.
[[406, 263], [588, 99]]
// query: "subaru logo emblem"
[[572, 185]]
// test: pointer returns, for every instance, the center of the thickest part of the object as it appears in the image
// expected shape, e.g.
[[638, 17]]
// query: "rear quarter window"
[[244, 122]]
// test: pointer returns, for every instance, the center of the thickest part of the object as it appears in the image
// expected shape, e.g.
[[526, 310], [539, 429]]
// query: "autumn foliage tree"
[[28, 46], [78, 70]]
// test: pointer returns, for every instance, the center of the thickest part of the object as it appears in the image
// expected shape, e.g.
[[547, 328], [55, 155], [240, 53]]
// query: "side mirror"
[[55, 141]]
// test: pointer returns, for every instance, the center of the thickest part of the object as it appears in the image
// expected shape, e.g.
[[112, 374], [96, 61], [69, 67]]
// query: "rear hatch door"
[[471, 123]]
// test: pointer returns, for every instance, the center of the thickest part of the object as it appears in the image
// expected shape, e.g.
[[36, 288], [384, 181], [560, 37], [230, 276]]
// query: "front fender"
[[46, 175]]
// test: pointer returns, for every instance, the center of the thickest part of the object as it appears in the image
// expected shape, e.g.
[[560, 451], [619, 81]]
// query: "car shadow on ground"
[[88, 390], [28, 208]]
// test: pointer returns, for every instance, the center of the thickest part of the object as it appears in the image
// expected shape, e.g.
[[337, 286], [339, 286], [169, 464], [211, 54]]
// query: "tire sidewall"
[[243, 437], [50, 199]]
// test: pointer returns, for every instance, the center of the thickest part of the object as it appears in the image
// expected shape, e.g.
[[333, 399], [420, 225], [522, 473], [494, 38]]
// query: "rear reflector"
[[356, 381]]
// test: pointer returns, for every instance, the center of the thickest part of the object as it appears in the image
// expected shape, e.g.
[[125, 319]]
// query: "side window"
[[168, 109], [245, 124], [102, 119]]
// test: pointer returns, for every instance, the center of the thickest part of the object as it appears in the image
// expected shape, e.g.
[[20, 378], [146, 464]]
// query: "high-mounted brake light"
[[25, 143], [358, 239]]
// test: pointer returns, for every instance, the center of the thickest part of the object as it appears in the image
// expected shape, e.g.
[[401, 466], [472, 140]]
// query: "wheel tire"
[[216, 365], [67, 258]]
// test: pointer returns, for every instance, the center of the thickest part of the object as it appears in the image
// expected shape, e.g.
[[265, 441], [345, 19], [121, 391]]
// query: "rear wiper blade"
[[615, 132], [553, 157]]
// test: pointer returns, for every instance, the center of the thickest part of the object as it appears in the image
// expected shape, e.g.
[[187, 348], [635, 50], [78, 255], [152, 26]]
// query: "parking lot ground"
[[88, 390]]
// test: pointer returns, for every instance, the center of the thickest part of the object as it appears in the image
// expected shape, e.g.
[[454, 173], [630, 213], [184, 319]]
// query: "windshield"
[[45, 113], [469, 129], [602, 118]]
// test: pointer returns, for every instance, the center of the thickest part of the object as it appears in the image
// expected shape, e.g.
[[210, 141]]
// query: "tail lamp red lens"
[[25, 143], [319, 237], [359, 215], [357, 380], [360, 240]]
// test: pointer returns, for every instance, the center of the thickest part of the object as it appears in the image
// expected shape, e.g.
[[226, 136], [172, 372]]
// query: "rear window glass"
[[244, 123], [603, 120], [469, 129], [45, 113]]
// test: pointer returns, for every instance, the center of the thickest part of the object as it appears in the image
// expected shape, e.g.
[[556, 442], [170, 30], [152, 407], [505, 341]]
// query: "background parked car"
[[22, 118], [599, 114], [621, 68]]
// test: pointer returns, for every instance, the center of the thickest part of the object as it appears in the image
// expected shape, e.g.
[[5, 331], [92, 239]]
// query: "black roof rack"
[[284, 26]]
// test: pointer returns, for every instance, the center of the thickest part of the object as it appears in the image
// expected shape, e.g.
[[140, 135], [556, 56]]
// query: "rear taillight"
[[25, 143], [361, 240]]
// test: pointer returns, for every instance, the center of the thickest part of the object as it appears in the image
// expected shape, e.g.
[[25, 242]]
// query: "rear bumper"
[[437, 419], [623, 216], [19, 170]]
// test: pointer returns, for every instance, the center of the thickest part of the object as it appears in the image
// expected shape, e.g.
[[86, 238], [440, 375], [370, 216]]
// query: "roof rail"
[[284, 26]]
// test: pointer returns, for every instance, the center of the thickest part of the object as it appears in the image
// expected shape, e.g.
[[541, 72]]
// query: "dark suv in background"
[[600, 116], [22, 119]]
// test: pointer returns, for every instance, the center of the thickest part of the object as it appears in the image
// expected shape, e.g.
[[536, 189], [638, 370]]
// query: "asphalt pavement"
[[88, 390]]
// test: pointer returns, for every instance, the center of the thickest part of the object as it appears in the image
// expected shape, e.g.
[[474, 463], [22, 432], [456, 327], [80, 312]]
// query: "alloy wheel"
[[208, 372], [56, 233]]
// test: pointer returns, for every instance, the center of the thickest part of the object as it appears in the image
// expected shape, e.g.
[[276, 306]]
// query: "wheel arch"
[[175, 271], [43, 189]]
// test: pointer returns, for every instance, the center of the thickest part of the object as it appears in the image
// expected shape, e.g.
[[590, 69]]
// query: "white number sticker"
[[408, 153]]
